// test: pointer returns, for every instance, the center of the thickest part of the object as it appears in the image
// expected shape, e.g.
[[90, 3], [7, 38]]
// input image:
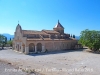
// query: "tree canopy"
[[2, 39], [91, 39], [10, 42]]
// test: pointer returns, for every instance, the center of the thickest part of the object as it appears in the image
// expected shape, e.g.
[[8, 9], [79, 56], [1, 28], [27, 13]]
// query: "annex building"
[[31, 41]]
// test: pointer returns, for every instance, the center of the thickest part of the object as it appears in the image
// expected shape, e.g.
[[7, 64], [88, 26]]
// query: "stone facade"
[[30, 41]]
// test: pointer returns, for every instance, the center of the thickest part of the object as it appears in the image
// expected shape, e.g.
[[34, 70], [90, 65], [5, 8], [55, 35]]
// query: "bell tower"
[[59, 28]]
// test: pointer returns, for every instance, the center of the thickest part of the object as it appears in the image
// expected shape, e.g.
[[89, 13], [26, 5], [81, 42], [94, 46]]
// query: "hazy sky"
[[74, 15]]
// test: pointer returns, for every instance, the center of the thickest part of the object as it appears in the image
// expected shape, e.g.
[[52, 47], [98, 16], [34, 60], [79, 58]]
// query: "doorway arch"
[[17, 47], [39, 47], [23, 45], [31, 47]]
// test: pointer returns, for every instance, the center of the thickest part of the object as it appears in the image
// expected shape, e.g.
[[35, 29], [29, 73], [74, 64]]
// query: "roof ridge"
[[49, 30], [31, 30]]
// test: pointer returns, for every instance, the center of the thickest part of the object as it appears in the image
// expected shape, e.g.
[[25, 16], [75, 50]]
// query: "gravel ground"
[[8, 69], [55, 63]]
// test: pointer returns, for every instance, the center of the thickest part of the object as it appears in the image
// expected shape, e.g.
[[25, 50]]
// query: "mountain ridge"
[[8, 36]]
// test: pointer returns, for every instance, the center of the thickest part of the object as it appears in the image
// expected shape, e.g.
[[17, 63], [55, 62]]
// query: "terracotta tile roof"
[[57, 39], [33, 32], [72, 38], [48, 39], [51, 31], [58, 26], [40, 39], [34, 39]]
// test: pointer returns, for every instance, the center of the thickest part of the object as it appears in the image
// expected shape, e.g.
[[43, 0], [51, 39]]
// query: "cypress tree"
[[10, 39]]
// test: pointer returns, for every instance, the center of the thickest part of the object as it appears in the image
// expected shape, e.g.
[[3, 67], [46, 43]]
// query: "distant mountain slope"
[[77, 37], [8, 36]]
